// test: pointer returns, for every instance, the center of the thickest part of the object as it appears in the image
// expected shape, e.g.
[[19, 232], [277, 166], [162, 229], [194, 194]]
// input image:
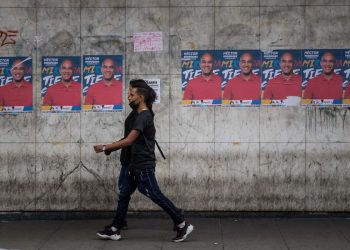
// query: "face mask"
[[134, 105]]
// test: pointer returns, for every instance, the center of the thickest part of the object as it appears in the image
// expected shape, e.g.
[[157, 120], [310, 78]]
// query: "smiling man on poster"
[[19, 92], [287, 83], [107, 91], [327, 85], [206, 86], [245, 86], [66, 92]]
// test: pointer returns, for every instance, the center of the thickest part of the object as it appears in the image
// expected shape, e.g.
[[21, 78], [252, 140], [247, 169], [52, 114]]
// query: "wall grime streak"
[[325, 117]]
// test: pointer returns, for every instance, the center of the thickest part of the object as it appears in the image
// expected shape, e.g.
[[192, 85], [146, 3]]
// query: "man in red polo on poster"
[[66, 92], [245, 86], [347, 92], [327, 85], [19, 92], [207, 86], [108, 91], [285, 84]]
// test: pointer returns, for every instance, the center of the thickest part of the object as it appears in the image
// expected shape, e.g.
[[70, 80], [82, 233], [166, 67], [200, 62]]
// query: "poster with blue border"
[[346, 75], [102, 83], [241, 72], [201, 78], [16, 88], [281, 78], [322, 77], [60, 84]]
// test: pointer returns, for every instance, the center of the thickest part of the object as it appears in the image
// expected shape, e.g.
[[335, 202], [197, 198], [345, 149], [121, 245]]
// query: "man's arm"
[[88, 98], [1, 98], [267, 94], [188, 92], [130, 139], [47, 98], [307, 92]]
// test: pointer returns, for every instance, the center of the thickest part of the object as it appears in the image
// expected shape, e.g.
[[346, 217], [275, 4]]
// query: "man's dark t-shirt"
[[125, 154], [142, 151]]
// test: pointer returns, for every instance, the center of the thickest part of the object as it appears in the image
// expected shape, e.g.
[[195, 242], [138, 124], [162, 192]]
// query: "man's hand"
[[98, 148]]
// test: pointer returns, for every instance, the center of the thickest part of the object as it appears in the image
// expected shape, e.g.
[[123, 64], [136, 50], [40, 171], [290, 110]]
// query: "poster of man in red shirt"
[[281, 77], [346, 74], [16, 89], [243, 87], [61, 87], [201, 80], [103, 87], [347, 94], [322, 76]]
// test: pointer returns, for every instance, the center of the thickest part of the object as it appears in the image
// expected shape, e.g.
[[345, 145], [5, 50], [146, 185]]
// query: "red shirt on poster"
[[323, 88], [102, 94], [347, 92], [14, 95], [61, 95], [201, 89], [279, 87], [239, 88]]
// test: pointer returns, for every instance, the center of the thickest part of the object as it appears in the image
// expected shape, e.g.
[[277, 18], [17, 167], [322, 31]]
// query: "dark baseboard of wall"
[[80, 215]]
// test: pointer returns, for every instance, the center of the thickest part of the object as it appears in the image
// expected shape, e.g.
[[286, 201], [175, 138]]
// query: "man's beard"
[[328, 73], [18, 81], [109, 79], [67, 80], [247, 73], [288, 73]]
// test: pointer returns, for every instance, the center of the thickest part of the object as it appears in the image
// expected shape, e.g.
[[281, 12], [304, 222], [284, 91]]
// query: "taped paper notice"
[[148, 41]]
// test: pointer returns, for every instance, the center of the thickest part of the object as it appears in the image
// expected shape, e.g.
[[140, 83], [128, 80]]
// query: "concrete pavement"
[[156, 233]]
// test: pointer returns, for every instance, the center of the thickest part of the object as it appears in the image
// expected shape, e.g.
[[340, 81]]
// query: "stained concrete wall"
[[229, 159]]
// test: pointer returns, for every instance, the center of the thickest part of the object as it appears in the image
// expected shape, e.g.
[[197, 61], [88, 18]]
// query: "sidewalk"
[[156, 233]]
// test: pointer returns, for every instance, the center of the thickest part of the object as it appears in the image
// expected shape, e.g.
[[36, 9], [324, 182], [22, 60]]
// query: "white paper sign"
[[155, 85], [148, 41]]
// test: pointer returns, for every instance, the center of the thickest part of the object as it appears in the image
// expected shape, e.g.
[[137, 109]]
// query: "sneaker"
[[108, 233], [183, 232]]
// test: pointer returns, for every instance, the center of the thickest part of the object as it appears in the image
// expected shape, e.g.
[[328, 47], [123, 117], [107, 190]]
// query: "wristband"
[[103, 148]]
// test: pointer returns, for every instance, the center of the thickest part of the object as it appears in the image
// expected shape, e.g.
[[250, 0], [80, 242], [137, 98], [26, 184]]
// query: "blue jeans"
[[122, 179], [123, 176], [146, 182]]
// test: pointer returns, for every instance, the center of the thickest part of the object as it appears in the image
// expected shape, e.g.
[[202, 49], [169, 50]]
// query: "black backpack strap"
[[160, 150]]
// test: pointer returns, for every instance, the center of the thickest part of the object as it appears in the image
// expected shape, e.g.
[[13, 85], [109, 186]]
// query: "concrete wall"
[[259, 159]]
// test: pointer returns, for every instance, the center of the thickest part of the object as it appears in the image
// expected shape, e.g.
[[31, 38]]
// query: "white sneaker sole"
[[112, 237], [188, 231]]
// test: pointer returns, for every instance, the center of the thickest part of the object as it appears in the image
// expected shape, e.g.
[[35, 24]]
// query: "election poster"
[[103, 83], [241, 73], [323, 77], [16, 88], [61, 84], [281, 78], [201, 77], [346, 77]]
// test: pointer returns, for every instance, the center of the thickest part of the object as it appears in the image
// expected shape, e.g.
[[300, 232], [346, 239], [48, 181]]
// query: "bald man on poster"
[[207, 86], [327, 85], [287, 83], [108, 91], [245, 86], [19, 92], [66, 92]]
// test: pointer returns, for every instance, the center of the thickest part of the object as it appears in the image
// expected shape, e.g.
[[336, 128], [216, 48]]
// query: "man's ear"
[[142, 98]]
